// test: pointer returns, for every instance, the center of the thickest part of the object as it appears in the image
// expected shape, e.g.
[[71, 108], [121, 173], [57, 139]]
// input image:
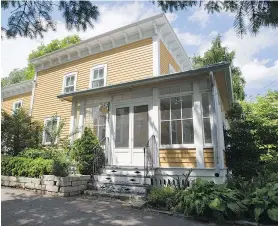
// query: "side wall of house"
[[7, 103], [165, 59], [126, 63]]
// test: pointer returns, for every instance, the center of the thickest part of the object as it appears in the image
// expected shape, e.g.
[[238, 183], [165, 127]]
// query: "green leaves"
[[257, 213], [217, 204], [273, 214]]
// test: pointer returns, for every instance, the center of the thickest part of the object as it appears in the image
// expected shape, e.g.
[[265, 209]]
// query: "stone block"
[[12, 178], [13, 184], [3, 178], [40, 186], [20, 185], [47, 182], [63, 183], [84, 182], [69, 189], [75, 183], [63, 194], [36, 180], [5, 183], [29, 185], [85, 177], [74, 178], [51, 188], [48, 177], [82, 187], [24, 179], [75, 193]]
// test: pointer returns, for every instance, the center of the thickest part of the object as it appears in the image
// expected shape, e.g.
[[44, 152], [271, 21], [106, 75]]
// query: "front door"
[[131, 133]]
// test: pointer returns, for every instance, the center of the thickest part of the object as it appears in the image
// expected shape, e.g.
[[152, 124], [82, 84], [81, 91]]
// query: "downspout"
[[33, 94], [214, 125]]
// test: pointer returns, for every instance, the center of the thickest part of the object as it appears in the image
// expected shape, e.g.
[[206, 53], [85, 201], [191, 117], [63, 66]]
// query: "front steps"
[[121, 180]]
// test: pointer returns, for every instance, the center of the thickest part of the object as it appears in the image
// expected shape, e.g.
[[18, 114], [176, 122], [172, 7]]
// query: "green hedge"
[[27, 167]]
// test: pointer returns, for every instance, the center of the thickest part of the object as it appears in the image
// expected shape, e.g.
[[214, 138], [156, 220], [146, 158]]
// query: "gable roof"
[[17, 89], [156, 25]]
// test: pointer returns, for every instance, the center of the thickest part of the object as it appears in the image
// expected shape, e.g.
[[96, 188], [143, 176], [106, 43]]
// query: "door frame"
[[129, 103]]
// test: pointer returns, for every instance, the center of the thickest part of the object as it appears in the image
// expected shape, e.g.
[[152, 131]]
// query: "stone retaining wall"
[[50, 184]]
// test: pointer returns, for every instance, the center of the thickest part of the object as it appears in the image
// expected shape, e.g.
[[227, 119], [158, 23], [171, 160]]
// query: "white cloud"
[[15, 51], [199, 16], [188, 38]]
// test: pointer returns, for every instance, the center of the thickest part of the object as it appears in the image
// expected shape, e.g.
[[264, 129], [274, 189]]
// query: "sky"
[[257, 56]]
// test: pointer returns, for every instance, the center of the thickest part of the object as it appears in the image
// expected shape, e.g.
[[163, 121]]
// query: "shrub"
[[36, 153], [19, 131], [162, 197], [263, 203], [88, 153], [26, 167], [61, 165]]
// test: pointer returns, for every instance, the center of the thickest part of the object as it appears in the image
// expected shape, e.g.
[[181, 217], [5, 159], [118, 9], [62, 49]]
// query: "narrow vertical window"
[[206, 117], [17, 105], [50, 128]]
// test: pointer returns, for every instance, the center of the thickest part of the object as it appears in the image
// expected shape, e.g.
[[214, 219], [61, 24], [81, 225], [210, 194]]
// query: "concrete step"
[[121, 188], [125, 179], [130, 171]]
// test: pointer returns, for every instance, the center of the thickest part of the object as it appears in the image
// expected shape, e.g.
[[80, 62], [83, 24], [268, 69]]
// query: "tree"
[[19, 131], [53, 131], [258, 13], [19, 75], [33, 18], [218, 53], [15, 76], [252, 139]]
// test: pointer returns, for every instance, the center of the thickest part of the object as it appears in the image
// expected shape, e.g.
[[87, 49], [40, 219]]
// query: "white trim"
[[34, 83], [155, 124], [43, 135], [81, 118], [72, 119], [171, 69], [104, 66], [156, 55], [17, 102], [64, 81]]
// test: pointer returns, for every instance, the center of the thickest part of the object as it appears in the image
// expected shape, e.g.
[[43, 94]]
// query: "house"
[[136, 88]]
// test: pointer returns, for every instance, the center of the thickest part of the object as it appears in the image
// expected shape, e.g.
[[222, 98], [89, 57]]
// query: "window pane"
[[205, 104], [101, 133], [67, 80], [101, 119], [141, 132], [122, 127], [175, 108], [165, 132], [95, 74], [165, 109], [176, 132], [187, 107], [100, 73], [69, 89], [95, 84], [101, 82], [95, 115], [207, 130], [188, 134]]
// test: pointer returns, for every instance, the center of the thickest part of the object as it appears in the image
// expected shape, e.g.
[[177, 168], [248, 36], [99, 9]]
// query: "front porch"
[[177, 119]]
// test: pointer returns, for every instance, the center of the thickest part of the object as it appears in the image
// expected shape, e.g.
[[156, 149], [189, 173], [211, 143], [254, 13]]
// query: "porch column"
[[81, 118], [198, 125], [155, 126], [72, 119], [217, 126], [156, 55]]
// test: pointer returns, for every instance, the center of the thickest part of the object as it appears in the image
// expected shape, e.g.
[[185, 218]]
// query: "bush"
[[36, 153], [162, 197], [19, 131], [263, 203], [26, 167], [88, 153]]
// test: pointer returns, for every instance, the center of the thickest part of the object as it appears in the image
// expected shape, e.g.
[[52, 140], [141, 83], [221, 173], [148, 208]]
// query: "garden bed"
[[49, 184]]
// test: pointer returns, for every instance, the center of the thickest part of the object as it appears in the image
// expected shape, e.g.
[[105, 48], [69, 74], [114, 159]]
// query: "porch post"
[[198, 125], [81, 118], [72, 119], [155, 126]]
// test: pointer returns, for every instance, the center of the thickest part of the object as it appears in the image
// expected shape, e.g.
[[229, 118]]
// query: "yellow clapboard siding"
[[177, 158], [126, 63], [165, 59], [209, 158], [178, 164], [7, 103]]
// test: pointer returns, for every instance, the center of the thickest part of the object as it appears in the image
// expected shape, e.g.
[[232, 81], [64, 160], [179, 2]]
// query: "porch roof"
[[221, 70]]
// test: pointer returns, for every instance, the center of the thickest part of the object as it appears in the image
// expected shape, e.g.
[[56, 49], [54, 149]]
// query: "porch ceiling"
[[221, 71]]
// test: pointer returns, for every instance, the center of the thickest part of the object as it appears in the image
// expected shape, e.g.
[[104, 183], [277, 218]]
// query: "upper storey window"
[[17, 105], [69, 84], [98, 76]]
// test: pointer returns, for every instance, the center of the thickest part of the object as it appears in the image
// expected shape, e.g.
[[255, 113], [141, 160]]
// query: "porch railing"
[[149, 156], [99, 161]]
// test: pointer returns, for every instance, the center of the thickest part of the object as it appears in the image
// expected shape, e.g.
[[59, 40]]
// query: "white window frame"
[[171, 69], [45, 123], [174, 146], [104, 66], [17, 102], [64, 81], [207, 145]]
